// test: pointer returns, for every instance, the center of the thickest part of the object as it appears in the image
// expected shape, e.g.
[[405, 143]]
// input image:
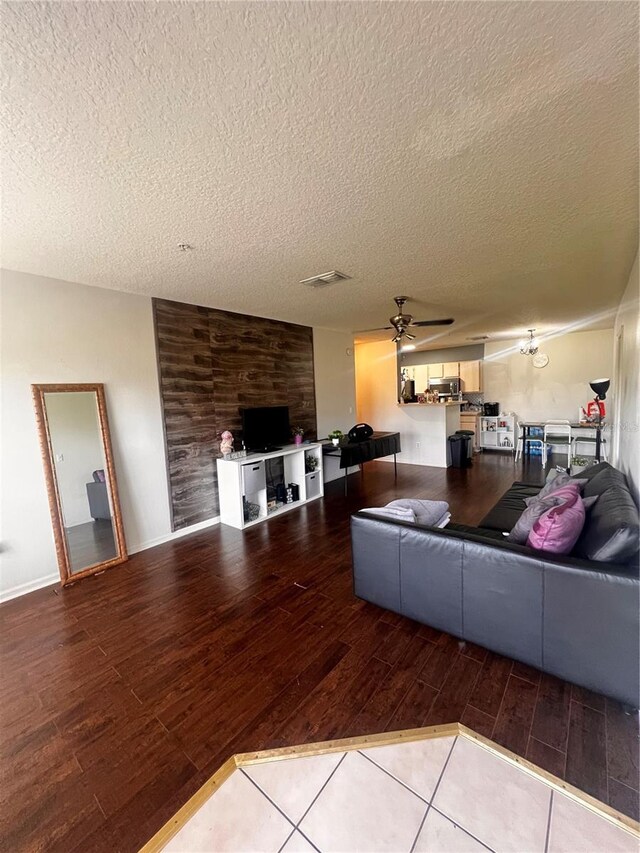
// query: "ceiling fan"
[[402, 322]]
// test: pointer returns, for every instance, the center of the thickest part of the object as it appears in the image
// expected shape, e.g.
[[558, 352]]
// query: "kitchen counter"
[[424, 428]]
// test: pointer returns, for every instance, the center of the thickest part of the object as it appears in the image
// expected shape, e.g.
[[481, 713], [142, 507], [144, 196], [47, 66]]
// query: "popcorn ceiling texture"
[[480, 157]]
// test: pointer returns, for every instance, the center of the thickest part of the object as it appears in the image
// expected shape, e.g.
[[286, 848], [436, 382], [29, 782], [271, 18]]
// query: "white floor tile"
[[298, 844], [363, 809], [576, 828], [294, 783], [440, 835], [236, 818], [506, 808], [418, 764]]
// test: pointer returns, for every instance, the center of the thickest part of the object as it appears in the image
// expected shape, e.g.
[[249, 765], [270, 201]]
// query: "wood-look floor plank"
[[587, 751], [513, 724], [122, 694]]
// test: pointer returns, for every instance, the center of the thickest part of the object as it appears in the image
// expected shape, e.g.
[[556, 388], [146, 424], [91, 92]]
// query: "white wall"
[[555, 391], [335, 380], [55, 331], [626, 377], [77, 450]]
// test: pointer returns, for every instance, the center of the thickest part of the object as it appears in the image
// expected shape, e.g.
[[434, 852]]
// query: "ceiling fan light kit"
[[401, 323]]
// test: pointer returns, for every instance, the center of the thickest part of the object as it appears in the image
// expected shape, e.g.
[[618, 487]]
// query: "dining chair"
[[529, 439], [591, 441], [557, 434]]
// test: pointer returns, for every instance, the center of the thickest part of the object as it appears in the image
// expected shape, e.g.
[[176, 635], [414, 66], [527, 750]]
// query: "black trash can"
[[458, 451], [469, 433]]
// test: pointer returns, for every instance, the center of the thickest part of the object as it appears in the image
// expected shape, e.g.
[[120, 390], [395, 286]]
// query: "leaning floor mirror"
[[80, 477]]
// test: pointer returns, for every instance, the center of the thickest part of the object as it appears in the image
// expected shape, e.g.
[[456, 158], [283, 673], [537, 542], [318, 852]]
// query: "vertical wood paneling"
[[212, 363]]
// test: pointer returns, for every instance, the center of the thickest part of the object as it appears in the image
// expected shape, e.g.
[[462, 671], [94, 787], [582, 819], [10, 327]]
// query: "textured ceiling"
[[479, 157]]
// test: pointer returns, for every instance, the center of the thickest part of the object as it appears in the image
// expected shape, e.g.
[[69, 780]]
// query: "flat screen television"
[[266, 427]]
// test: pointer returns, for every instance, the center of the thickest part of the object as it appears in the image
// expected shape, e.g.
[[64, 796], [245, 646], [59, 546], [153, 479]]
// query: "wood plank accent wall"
[[211, 363]]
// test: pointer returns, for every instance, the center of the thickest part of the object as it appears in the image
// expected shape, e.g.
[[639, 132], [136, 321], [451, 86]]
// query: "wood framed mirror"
[[80, 477]]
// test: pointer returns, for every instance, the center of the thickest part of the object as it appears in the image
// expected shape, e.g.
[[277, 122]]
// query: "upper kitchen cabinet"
[[450, 369], [470, 376], [436, 371], [421, 376]]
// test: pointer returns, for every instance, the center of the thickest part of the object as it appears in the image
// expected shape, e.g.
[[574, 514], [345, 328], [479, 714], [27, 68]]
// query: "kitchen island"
[[424, 428]]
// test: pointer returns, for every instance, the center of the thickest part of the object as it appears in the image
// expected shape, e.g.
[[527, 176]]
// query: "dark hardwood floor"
[[122, 694]]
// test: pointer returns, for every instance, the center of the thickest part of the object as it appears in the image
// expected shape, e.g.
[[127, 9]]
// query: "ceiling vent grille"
[[479, 338], [325, 279]]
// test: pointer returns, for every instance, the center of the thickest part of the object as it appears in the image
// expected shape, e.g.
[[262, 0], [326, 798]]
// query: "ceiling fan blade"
[[380, 329], [446, 322]]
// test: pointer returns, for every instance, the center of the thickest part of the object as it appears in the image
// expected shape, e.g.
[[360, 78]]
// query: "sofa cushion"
[[509, 508], [611, 530], [556, 480]]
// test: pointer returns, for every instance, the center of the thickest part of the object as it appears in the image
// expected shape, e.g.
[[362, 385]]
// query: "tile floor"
[[441, 795]]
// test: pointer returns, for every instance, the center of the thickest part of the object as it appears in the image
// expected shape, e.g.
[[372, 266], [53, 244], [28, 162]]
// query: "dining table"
[[527, 426]]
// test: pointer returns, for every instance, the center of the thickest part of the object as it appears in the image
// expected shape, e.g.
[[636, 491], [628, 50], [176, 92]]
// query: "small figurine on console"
[[226, 442]]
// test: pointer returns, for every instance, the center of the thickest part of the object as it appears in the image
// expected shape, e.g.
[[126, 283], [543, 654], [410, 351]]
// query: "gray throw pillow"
[[426, 512], [394, 513], [556, 480], [536, 507]]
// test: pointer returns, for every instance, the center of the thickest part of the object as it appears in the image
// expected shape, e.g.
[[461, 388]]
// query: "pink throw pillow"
[[558, 529]]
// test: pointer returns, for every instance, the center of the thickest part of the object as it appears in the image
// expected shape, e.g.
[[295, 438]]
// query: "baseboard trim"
[[48, 580], [29, 586], [175, 534]]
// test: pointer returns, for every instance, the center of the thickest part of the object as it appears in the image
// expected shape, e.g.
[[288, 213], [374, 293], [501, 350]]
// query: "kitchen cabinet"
[[470, 376], [469, 420], [435, 371], [450, 369]]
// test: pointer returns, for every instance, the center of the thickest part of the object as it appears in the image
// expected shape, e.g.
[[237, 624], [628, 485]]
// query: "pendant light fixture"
[[529, 346]]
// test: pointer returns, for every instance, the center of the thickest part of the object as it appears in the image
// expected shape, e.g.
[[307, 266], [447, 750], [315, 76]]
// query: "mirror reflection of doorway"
[[78, 455]]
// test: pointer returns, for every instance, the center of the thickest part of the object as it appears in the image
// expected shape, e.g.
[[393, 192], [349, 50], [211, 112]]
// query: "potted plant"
[[579, 463], [298, 433], [335, 435]]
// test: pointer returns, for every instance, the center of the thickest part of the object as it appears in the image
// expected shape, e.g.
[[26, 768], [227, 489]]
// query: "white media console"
[[250, 476]]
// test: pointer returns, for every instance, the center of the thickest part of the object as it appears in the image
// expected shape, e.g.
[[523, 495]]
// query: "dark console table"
[[358, 452]]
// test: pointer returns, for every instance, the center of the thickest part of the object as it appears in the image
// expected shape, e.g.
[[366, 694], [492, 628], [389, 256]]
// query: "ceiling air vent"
[[325, 279], [479, 338]]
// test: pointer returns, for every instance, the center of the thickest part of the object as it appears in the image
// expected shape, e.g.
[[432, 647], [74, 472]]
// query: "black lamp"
[[599, 388]]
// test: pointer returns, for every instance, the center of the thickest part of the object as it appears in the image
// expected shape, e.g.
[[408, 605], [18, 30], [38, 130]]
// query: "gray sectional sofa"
[[572, 616]]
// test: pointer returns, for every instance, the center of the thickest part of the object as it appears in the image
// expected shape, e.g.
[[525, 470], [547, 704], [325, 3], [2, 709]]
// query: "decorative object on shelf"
[[226, 442], [335, 435], [540, 360], [298, 434], [310, 463], [599, 388], [238, 454], [529, 346], [401, 322]]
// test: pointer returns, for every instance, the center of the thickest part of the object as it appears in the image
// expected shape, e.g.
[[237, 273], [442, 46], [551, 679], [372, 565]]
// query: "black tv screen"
[[266, 427]]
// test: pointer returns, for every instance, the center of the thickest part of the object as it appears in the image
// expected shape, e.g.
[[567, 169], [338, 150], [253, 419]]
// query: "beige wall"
[[627, 382], [555, 391], [335, 380]]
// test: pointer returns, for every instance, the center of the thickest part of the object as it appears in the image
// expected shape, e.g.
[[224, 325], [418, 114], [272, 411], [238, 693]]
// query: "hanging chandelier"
[[529, 346]]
